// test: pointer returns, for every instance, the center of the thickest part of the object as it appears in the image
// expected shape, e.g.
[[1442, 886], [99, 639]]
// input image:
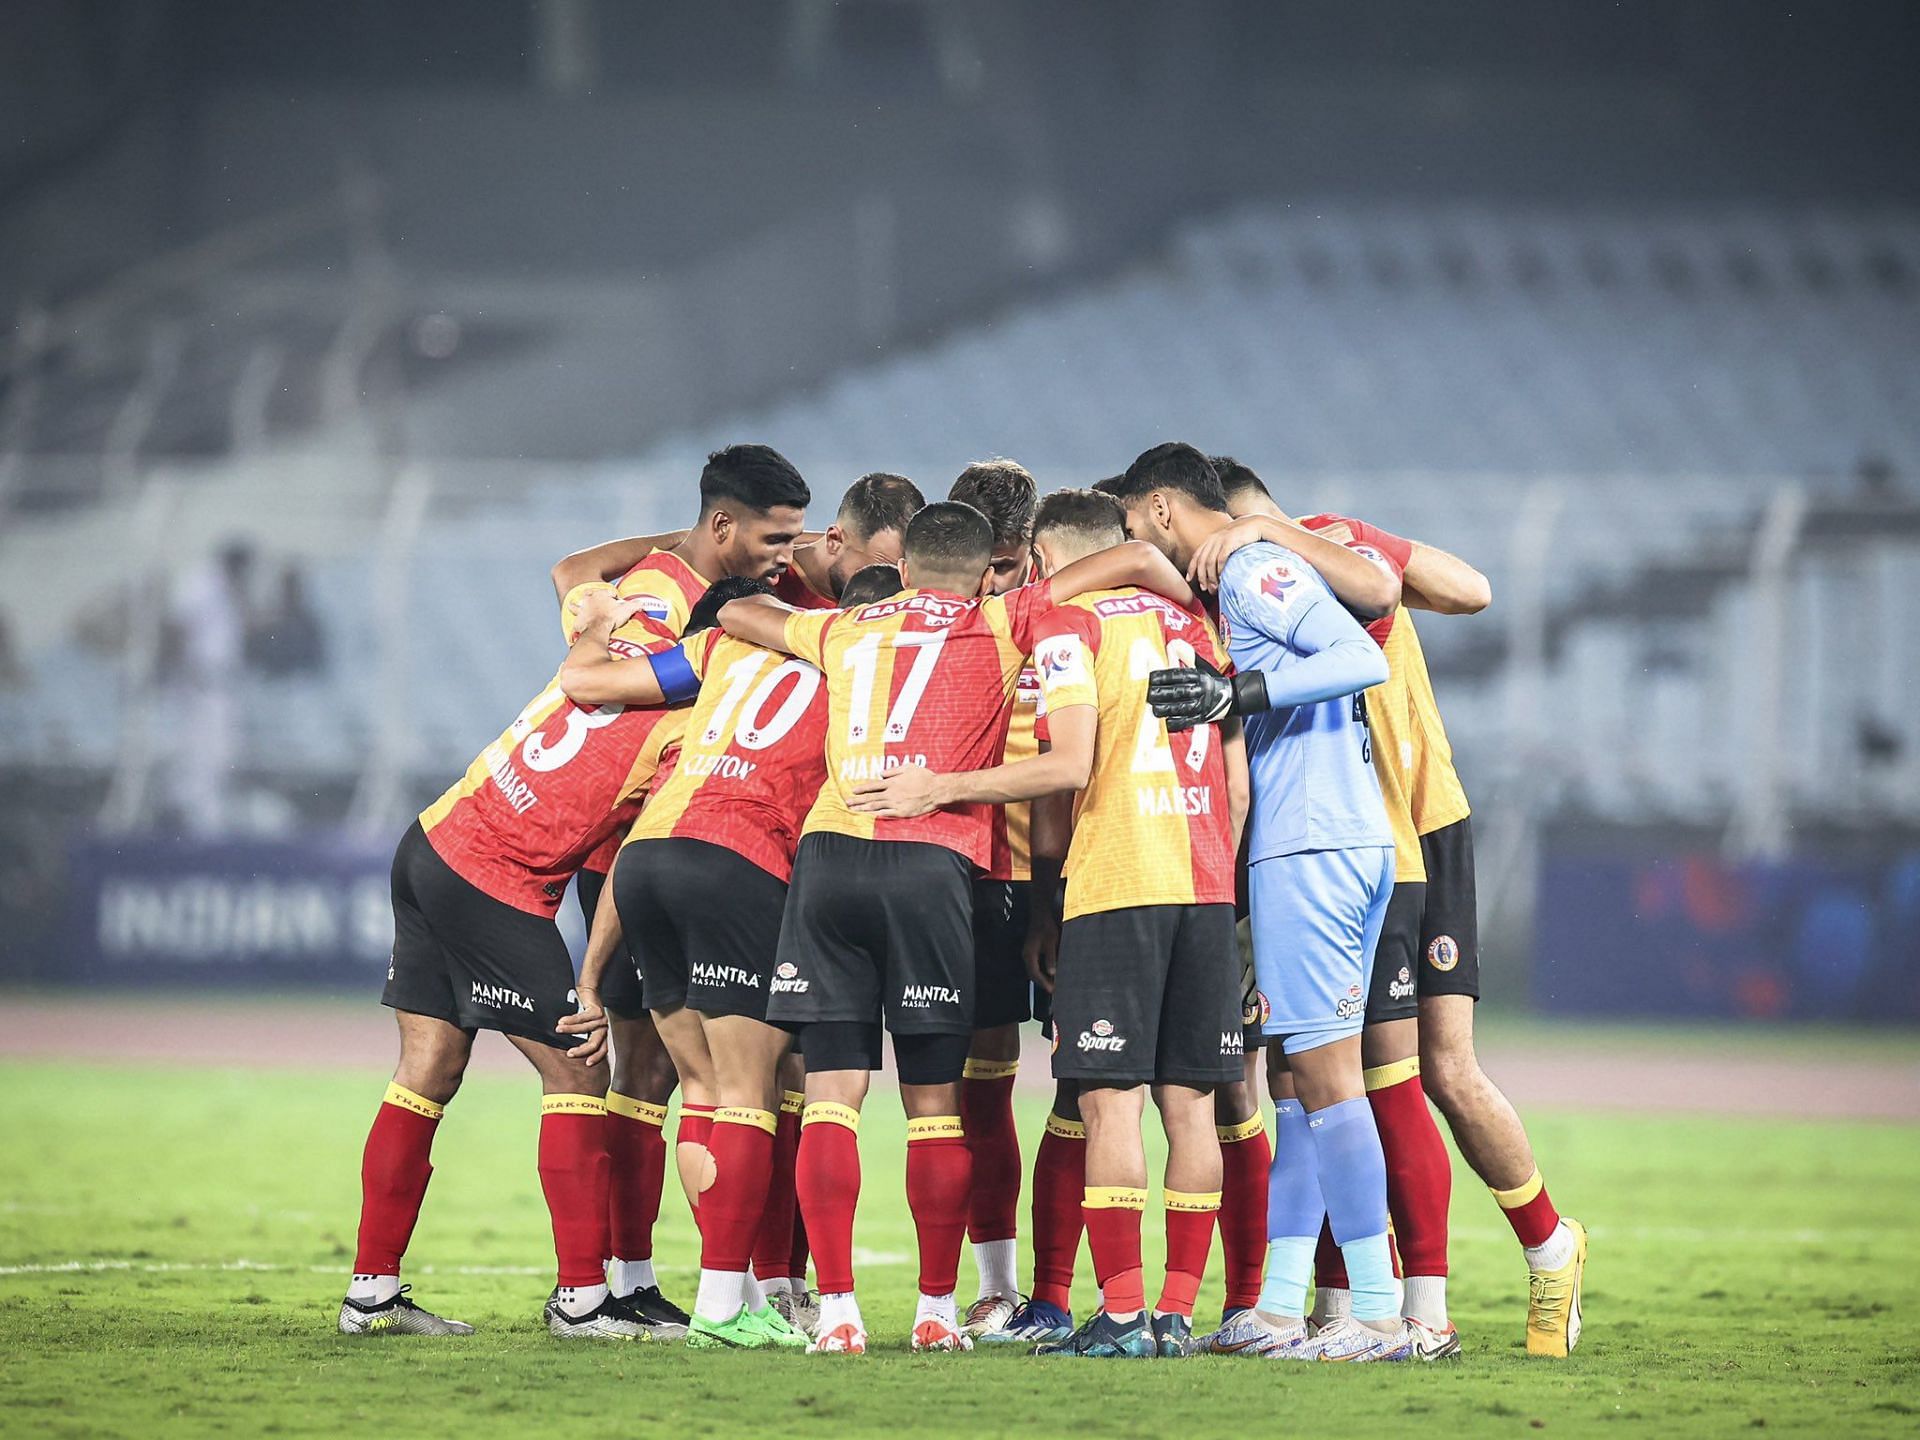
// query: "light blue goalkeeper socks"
[[1294, 1212], [1353, 1182]]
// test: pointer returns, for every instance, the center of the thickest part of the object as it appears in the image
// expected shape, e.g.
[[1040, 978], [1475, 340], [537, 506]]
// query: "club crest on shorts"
[[1443, 953], [1255, 1010]]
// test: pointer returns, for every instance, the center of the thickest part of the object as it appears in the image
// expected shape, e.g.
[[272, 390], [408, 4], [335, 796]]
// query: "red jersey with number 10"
[[925, 678], [752, 758]]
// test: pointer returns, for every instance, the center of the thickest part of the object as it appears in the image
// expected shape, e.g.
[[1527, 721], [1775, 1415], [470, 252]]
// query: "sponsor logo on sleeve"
[[1280, 584], [654, 607], [1058, 660], [1401, 986]]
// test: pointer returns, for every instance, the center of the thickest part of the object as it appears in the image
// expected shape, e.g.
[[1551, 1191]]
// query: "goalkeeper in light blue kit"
[[1321, 870]]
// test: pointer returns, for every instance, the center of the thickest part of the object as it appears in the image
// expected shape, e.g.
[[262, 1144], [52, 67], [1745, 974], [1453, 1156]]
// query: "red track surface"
[[329, 1034]]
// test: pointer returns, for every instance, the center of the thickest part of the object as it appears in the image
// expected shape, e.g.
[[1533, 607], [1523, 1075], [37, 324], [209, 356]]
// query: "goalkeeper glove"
[[1185, 698]]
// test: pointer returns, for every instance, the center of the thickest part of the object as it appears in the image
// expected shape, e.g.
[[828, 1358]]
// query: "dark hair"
[[1004, 492], [870, 583], [706, 610], [1172, 466], [758, 477], [949, 539], [876, 502], [1089, 515], [1110, 486], [1235, 478]]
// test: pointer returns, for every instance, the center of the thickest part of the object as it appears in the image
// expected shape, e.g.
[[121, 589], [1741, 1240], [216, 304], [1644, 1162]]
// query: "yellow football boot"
[[1553, 1300]]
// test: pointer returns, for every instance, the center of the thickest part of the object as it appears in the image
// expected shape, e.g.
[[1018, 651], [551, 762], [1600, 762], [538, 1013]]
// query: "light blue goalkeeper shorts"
[[1316, 923]]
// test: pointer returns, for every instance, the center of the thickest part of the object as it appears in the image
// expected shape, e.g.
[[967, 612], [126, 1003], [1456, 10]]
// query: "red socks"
[[939, 1174], [1419, 1171], [730, 1211], [637, 1155], [1190, 1221], [827, 1175], [696, 1128], [1059, 1178], [1527, 1208], [573, 1174], [986, 1108], [1246, 1157], [1113, 1235], [773, 1247], [394, 1171]]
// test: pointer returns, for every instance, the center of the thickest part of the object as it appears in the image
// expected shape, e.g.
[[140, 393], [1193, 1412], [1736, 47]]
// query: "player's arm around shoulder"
[[592, 674], [1369, 590], [773, 625], [1445, 584], [608, 561], [1133, 563]]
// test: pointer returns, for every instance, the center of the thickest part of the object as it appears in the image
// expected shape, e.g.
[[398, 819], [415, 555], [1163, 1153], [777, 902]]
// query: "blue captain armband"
[[671, 668]]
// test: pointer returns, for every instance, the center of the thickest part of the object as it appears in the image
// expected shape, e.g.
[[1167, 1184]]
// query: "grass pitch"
[[174, 1242]]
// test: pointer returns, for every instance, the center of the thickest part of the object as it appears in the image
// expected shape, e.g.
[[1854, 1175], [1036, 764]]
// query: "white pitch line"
[[165, 1267]]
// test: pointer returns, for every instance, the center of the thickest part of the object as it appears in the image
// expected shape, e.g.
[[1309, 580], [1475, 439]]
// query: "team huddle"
[[929, 774]]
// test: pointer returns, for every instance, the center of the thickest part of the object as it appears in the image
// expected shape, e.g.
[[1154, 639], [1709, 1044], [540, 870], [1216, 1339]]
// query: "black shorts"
[[1450, 924], [1393, 990], [876, 929], [461, 956], [701, 923], [1002, 993], [620, 981], [1149, 993]]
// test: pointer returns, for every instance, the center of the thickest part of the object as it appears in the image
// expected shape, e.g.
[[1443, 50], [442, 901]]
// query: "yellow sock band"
[[1248, 1128], [418, 1104], [572, 1105], [792, 1102], [989, 1069], [1113, 1197], [1189, 1200], [825, 1112], [935, 1127], [1066, 1129], [1385, 1077], [1513, 1199], [741, 1115], [645, 1111]]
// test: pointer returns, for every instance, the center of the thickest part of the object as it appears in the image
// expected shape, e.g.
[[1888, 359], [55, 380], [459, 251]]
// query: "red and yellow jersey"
[[752, 758], [924, 678], [561, 785], [1438, 798], [1153, 826], [536, 803], [1012, 855], [1411, 753], [792, 588], [667, 588], [1390, 720]]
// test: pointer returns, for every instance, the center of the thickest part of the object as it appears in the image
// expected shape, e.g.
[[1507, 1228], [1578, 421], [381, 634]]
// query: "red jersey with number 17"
[[925, 678], [752, 758], [563, 778]]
